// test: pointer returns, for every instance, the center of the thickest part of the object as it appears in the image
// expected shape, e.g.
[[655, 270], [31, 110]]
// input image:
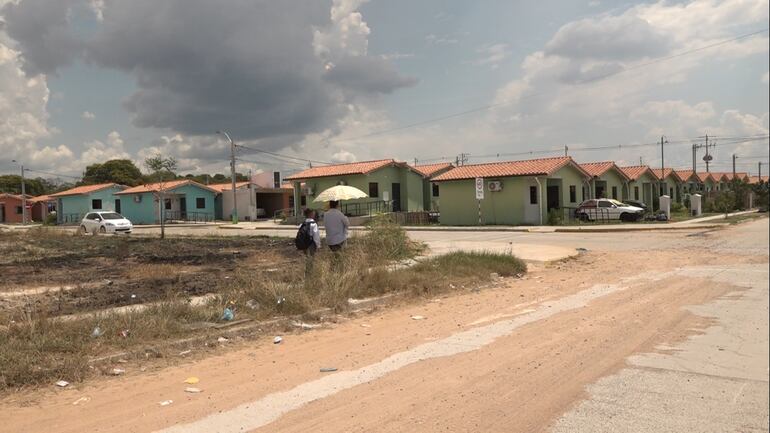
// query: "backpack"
[[304, 237]]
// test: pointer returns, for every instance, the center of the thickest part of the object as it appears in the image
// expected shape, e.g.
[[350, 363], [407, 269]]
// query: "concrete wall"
[[411, 187], [9, 207], [247, 206], [72, 208]]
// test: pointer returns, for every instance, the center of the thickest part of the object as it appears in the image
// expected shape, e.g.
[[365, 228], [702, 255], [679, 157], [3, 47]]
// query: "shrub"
[[677, 207], [554, 217]]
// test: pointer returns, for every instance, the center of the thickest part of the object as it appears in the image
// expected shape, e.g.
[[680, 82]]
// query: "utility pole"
[[232, 174], [694, 161], [415, 162], [734, 158], [759, 170], [24, 194], [707, 158], [566, 150], [252, 196], [461, 159], [663, 140], [640, 161]]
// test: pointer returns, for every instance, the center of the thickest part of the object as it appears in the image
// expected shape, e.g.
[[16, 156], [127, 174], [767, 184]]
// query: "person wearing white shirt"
[[336, 224]]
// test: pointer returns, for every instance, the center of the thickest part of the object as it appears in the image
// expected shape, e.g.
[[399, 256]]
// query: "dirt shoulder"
[[553, 356]]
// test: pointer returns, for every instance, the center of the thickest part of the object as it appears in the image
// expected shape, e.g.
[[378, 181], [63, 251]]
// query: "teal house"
[[183, 200], [73, 204]]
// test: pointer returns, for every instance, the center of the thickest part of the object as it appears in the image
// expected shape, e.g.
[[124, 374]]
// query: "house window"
[[374, 189], [636, 193], [532, 195], [96, 204], [19, 210], [671, 192], [614, 193], [583, 193], [200, 203], [167, 203], [572, 193], [435, 190], [303, 201]]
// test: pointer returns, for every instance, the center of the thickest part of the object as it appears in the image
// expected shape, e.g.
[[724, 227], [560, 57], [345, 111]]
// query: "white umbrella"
[[340, 192]]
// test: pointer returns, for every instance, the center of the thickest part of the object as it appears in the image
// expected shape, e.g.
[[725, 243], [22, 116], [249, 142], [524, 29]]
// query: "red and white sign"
[[479, 188]]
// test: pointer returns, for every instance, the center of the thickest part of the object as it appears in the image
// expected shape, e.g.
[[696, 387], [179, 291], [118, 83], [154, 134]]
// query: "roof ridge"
[[514, 161]]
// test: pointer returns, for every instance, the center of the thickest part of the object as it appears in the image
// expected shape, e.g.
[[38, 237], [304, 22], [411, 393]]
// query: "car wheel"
[[102, 230], [83, 230], [625, 217], [583, 217]]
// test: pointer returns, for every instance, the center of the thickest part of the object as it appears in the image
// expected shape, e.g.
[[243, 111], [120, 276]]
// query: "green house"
[[392, 186], [183, 200], [514, 192], [607, 181], [73, 204], [691, 183], [670, 184], [642, 184], [431, 191]]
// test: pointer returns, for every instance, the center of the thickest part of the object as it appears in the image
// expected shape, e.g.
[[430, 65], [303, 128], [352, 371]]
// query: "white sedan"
[[607, 209], [105, 222]]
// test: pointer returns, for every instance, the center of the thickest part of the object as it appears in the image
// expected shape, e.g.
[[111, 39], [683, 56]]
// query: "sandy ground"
[[545, 352]]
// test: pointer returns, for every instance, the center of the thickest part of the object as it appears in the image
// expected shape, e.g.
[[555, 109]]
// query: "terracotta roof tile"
[[532, 167], [42, 198], [666, 173], [596, 169], [429, 170], [86, 189], [219, 187], [8, 195], [685, 175], [173, 184], [633, 172], [703, 176], [756, 179], [343, 169]]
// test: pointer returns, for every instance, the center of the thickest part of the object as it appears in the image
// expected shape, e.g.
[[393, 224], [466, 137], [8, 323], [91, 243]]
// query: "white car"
[[607, 209], [105, 222]]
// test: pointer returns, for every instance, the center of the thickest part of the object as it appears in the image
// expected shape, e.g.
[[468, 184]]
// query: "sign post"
[[479, 193]]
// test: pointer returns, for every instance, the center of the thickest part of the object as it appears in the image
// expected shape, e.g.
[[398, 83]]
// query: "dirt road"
[[671, 336]]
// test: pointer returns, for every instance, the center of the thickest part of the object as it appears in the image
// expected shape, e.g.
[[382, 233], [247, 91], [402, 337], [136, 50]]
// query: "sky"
[[85, 81]]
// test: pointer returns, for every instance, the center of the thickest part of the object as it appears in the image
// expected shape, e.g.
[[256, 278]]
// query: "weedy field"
[[66, 300]]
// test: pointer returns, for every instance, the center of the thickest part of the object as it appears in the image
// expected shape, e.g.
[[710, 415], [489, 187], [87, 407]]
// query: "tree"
[[11, 183], [120, 171], [162, 171]]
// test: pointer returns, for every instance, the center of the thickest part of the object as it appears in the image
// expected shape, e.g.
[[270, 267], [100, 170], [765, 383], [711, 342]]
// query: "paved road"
[[652, 332]]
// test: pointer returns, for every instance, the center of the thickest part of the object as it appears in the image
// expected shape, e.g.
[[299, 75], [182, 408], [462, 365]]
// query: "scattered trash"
[[108, 282], [97, 332], [277, 340], [192, 390], [228, 315], [125, 333], [117, 372], [271, 270], [418, 317], [519, 275], [123, 361], [253, 304], [227, 277], [451, 286], [222, 340], [62, 383], [192, 380], [185, 352], [328, 369], [280, 301], [166, 402], [582, 250], [365, 325], [81, 400], [494, 275], [304, 325], [133, 296]]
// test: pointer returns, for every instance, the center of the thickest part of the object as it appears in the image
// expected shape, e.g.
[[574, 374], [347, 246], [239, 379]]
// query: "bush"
[[677, 207], [554, 217], [50, 219]]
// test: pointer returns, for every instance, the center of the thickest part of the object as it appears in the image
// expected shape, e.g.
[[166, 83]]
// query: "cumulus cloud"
[[87, 115], [493, 54], [256, 67]]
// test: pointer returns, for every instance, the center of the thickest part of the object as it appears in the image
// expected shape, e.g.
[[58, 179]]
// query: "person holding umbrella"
[[335, 222]]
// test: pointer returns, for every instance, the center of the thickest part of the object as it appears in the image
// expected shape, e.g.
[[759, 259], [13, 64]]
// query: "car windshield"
[[112, 216], [616, 203]]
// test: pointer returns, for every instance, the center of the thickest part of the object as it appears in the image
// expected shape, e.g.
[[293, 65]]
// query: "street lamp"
[[234, 213], [23, 194]]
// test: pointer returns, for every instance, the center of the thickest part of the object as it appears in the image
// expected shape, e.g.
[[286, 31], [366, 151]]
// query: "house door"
[[183, 208], [2, 213], [117, 205], [396, 190], [600, 190], [552, 196]]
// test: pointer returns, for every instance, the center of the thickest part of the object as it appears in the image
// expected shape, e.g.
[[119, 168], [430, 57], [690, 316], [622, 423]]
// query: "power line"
[[532, 95], [278, 155]]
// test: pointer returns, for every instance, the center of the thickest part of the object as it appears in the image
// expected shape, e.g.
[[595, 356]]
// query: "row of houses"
[[514, 192], [184, 200]]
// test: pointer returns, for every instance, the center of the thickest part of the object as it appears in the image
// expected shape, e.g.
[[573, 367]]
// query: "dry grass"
[[41, 350]]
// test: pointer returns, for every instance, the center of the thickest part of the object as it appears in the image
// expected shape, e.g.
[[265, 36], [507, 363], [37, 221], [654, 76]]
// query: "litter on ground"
[[166, 402], [328, 369], [192, 380], [418, 317], [62, 383], [192, 390], [277, 340]]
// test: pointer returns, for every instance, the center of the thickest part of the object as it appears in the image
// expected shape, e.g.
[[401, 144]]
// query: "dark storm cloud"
[[200, 65]]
